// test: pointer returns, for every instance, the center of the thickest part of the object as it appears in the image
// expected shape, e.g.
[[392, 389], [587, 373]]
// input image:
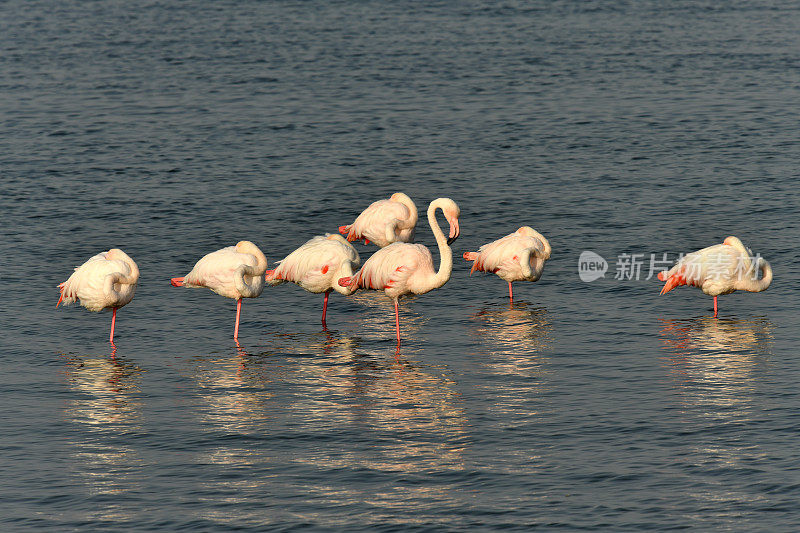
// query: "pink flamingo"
[[234, 272], [106, 281], [515, 257], [719, 269], [403, 268], [317, 266], [384, 222]]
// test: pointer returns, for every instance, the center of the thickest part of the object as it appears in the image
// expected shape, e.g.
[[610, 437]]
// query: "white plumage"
[[403, 268], [317, 265], [106, 281], [384, 222], [719, 269], [234, 272], [519, 256]]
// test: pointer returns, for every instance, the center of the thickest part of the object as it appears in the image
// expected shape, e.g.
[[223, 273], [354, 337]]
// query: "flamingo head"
[[244, 246], [337, 237], [527, 231], [451, 213], [400, 197], [733, 241]]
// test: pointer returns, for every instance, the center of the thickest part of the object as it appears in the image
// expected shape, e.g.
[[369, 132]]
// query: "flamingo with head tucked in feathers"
[[403, 268], [317, 266], [719, 269], [384, 222], [106, 281], [234, 272], [515, 257]]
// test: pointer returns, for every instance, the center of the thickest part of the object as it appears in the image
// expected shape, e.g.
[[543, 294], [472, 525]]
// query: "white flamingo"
[[317, 266], [384, 222], [234, 272], [106, 281], [403, 268], [515, 257], [719, 269]]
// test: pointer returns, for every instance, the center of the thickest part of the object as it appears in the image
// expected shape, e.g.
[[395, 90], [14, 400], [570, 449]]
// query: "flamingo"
[[317, 265], [403, 268], [719, 269], [515, 257], [106, 281], [234, 272], [384, 222]]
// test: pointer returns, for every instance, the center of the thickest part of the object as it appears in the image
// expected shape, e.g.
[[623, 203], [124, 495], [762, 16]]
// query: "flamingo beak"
[[455, 231]]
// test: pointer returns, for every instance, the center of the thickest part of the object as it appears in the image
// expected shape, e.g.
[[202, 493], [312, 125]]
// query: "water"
[[171, 130]]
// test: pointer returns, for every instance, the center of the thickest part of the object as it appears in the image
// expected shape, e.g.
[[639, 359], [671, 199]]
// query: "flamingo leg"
[[113, 322], [715, 307], [510, 292], [238, 312], [397, 322], [325, 307]]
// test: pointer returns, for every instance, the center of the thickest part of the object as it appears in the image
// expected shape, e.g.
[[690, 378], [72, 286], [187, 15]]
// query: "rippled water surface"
[[173, 129]]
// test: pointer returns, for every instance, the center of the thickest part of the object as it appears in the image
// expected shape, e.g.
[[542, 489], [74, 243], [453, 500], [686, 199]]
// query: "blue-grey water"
[[171, 129]]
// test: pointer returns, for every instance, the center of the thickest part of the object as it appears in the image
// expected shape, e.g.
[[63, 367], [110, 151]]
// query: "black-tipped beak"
[[455, 231]]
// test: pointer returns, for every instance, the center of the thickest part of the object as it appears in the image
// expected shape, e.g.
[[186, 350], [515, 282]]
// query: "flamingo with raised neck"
[[403, 268]]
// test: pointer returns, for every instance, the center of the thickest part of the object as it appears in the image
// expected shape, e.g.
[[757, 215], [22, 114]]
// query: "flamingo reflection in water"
[[716, 369], [513, 333], [110, 386], [108, 404], [715, 358], [372, 317]]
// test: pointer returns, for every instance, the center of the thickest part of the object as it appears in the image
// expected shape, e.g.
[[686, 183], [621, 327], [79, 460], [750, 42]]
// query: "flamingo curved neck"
[[445, 253], [118, 278], [545, 253], [413, 215], [525, 262], [252, 287], [748, 281], [547, 248]]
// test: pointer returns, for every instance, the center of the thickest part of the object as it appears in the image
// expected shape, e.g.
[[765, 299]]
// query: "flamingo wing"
[[372, 222], [504, 253], [87, 283], [215, 271], [314, 264], [394, 268], [712, 269]]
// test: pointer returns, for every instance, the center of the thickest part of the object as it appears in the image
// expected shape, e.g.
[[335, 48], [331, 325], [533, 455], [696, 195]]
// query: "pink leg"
[[510, 292], [397, 322], [325, 306], [715, 307], [113, 322], [238, 312]]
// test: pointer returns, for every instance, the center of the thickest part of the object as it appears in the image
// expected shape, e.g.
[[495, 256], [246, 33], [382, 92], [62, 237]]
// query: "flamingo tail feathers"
[[176, 282], [472, 256]]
